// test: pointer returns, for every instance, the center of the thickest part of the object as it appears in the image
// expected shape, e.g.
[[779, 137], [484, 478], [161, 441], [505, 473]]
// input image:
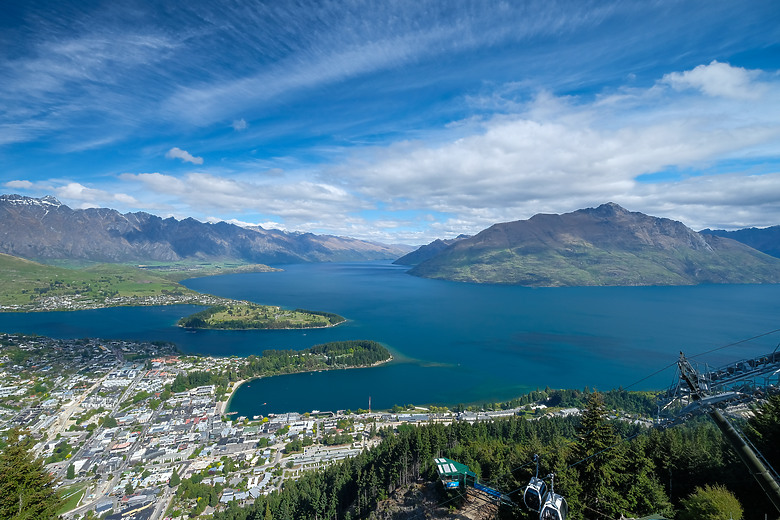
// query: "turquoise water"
[[453, 342]]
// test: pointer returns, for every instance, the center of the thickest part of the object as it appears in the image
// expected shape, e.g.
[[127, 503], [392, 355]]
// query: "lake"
[[453, 342]]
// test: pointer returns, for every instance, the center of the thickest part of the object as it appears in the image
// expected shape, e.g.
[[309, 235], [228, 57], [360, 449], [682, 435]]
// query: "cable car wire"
[[735, 343], [651, 375]]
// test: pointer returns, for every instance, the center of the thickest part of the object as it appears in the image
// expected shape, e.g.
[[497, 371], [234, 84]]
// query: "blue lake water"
[[453, 342]]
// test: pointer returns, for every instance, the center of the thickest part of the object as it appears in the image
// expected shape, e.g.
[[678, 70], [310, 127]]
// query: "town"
[[110, 429], [77, 302]]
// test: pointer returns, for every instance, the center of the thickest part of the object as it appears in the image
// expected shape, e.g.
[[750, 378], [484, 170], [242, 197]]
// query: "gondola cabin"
[[453, 474], [554, 508], [534, 494]]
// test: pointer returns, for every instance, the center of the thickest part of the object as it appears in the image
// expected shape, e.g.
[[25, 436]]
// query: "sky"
[[397, 122]]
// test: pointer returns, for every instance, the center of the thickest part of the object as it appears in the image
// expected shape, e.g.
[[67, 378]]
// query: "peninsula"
[[27, 286]]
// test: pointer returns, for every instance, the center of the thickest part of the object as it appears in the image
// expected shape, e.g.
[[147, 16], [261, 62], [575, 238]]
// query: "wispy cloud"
[[213, 101], [178, 153], [407, 119], [66, 79], [550, 154]]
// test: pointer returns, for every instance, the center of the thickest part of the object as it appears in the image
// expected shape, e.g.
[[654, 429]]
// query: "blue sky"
[[394, 121]]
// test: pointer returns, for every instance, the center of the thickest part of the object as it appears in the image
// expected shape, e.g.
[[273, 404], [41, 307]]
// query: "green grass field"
[[71, 495], [23, 282], [178, 271]]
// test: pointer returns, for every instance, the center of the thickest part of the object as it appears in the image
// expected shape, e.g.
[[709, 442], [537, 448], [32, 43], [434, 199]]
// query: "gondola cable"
[[735, 343]]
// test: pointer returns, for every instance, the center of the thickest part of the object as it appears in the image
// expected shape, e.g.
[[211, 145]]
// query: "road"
[[62, 419]]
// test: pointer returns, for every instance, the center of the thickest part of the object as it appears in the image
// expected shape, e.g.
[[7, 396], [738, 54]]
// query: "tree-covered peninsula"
[[246, 315], [337, 354]]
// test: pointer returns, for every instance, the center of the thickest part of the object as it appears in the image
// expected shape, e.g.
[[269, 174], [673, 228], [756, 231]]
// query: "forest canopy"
[[337, 354]]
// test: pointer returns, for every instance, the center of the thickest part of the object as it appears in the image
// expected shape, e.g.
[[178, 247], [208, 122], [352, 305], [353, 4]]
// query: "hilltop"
[[45, 229], [607, 245]]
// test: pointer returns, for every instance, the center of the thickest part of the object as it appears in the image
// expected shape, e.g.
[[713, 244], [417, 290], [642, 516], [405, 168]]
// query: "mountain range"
[[607, 245], [766, 240], [43, 229]]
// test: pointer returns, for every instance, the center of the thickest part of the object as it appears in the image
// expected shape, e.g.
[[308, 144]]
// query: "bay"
[[452, 342]]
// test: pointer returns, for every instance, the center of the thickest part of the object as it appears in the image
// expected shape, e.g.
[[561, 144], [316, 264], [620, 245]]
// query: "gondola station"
[[548, 504]]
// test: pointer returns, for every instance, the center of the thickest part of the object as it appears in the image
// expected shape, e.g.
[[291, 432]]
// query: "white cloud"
[[239, 124], [178, 153], [560, 154], [551, 154], [85, 196], [297, 201], [718, 79], [270, 224], [125, 199], [22, 185], [78, 195], [79, 192], [240, 223]]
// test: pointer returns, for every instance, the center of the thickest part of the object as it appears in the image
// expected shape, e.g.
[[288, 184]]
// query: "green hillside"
[[607, 245], [588, 265], [26, 285]]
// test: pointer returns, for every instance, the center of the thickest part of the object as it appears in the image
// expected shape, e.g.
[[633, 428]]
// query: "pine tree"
[[601, 463], [26, 488], [645, 494], [175, 480]]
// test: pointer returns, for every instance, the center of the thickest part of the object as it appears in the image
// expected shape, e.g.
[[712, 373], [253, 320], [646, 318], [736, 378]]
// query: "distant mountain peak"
[[610, 208], [49, 199], [22, 200]]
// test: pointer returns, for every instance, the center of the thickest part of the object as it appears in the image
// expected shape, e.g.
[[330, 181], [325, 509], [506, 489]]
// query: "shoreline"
[[225, 405]]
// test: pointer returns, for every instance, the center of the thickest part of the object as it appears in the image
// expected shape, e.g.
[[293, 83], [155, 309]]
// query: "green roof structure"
[[450, 468]]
